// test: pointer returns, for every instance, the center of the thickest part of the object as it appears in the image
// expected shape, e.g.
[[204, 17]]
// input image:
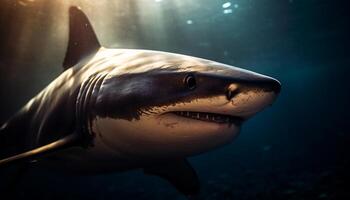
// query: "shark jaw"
[[180, 129]]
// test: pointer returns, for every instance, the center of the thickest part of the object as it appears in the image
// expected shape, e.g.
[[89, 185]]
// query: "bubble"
[[227, 11], [226, 5]]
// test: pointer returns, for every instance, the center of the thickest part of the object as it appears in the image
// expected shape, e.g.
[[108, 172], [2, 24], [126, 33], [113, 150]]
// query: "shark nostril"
[[230, 94], [232, 91]]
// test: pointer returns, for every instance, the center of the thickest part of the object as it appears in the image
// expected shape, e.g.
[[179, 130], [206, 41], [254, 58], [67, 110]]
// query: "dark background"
[[297, 149]]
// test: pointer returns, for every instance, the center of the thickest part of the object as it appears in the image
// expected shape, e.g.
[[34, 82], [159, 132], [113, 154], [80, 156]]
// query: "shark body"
[[120, 109]]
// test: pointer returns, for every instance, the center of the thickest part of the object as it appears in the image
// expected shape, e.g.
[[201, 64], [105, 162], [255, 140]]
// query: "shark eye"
[[190, 82]]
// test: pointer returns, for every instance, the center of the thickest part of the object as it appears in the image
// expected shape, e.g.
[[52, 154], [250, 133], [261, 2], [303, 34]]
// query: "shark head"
[[152, 104], [157, 104]]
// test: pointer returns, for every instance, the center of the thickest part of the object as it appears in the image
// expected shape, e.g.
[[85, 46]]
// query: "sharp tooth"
[[197, 115], [188, 114], [207, 116]]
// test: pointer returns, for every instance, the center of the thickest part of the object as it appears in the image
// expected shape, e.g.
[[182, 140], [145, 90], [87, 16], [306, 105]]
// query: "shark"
[[113, 110]]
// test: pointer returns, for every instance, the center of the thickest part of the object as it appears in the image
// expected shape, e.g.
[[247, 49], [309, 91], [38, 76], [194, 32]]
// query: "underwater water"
[[296, 149]]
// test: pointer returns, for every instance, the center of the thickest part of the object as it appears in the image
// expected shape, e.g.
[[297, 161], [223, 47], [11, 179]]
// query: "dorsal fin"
[[82, 38]]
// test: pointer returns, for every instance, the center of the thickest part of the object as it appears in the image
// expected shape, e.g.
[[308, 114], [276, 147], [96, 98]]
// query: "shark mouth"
[[210, 117]]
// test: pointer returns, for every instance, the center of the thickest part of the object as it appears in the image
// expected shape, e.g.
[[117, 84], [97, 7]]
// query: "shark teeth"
[[210, 117]]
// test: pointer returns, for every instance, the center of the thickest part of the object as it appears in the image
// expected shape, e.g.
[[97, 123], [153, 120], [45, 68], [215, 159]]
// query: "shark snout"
[[266, 85], [269, 84], [251, 95]]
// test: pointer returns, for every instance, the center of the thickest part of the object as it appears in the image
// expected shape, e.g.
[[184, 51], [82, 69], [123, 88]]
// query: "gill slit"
[[85, 102]]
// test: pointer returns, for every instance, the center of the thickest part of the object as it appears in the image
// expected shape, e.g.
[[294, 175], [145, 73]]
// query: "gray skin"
[[130, 109]]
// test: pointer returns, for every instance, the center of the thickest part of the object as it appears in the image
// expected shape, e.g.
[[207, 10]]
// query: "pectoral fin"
[[40, 151], [179, 173]]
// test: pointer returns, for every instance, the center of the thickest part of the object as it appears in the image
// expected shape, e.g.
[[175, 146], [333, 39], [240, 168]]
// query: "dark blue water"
[[296, 149]]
